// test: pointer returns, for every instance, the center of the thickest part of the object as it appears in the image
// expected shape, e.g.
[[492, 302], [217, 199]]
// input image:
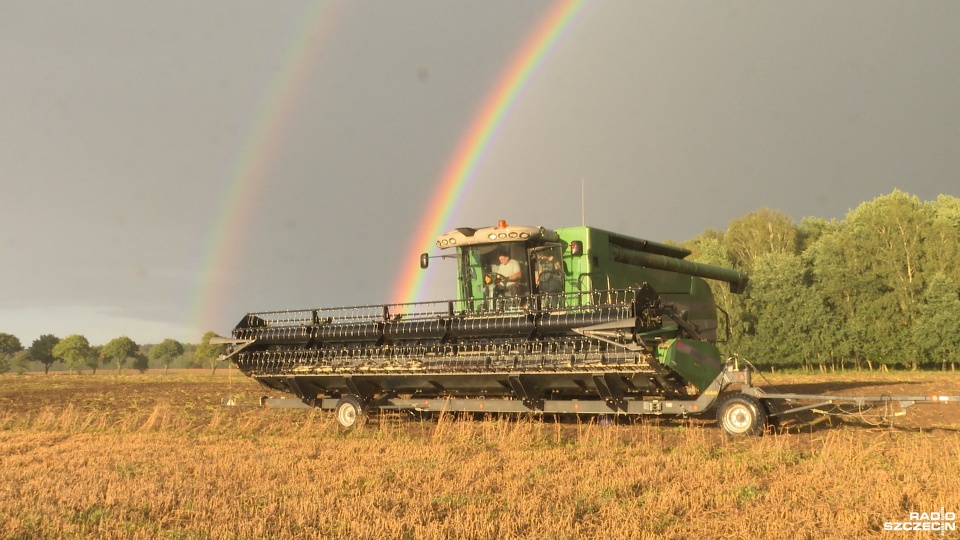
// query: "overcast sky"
[[124, 124]]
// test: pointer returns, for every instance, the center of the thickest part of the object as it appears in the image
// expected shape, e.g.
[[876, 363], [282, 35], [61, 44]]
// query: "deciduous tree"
[[942, 240], [936, 329], [93, 361], [42, 350], [166, 352], [9, 346], [208, 354], [119, 351], [788, 312], [21, 361], [886, 244], [74, 351], [760, 232], [140, 362]]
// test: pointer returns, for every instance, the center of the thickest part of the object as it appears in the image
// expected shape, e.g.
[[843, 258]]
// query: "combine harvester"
[[573, 321]]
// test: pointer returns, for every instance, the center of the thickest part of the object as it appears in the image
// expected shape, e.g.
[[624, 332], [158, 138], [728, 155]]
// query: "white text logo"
[[925, 521]]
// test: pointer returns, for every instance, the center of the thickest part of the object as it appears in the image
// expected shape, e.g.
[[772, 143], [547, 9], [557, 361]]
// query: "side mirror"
[[424, 260], [576, 248]]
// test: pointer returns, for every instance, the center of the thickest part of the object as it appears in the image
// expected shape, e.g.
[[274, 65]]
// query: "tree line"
[[76, 353], [878, 289]]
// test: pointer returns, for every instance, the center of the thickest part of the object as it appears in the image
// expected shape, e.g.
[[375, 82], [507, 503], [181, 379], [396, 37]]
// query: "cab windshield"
[[494, 276]]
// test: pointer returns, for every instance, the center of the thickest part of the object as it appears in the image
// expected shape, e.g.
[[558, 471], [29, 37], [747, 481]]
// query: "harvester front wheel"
[[742, 414], [349, 412]]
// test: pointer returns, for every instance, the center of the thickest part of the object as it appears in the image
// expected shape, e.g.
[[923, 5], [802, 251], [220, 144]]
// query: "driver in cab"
[[509, 273]]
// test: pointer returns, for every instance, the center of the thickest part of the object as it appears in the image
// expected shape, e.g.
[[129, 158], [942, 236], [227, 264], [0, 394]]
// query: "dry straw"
[[150, 466]]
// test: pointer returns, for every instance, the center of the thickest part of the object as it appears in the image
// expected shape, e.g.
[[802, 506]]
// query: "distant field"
[[155, 456]]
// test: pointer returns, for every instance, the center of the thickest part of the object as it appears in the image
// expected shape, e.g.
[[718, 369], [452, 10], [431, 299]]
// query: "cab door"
[[548, 275]]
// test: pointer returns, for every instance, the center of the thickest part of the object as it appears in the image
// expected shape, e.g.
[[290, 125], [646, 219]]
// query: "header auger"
[[569, 321]]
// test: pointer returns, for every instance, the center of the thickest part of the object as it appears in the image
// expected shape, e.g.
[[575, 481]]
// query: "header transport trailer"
[[569, 321]]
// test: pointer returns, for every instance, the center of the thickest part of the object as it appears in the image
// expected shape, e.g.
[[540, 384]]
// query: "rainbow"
[[460, 169], [250, 171]]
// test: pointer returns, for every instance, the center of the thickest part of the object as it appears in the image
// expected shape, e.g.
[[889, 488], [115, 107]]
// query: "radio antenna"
[[583, 219]]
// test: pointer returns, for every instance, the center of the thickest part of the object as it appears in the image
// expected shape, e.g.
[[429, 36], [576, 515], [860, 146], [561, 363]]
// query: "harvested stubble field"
[[155, 456]]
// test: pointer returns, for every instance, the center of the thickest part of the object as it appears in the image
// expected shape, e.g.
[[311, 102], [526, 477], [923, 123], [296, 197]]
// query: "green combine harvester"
[[576, 320]]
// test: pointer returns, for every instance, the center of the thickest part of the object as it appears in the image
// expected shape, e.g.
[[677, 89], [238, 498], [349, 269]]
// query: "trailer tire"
[[773, 413], [741, 414], [349, 412]]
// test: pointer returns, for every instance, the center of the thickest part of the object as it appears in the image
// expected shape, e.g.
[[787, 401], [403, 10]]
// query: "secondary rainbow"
[[461, 167], [250, 170]]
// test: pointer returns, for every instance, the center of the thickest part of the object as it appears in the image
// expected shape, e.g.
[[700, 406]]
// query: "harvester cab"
[[504, 267], [510, 268]]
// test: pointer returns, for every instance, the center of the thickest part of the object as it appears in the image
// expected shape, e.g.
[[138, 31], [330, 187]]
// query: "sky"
[[167, 167]]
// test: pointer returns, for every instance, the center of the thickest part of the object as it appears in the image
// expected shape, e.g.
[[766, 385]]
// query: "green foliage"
[[709, 248], [166, 352], [42, 350], [140, 362], [758, 233], [20, 362], [788, 312], [9, 344], [75, 352], [936, 328], [208, 354], [119, 351], [812, 229], [881, 287], [93, 361], [942, 239]]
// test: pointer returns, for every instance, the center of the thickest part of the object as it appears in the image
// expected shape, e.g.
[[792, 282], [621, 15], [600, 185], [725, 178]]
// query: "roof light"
[[502, 224]]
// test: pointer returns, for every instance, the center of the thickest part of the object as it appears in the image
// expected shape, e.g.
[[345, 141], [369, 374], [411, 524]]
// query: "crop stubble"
[[154, 456]]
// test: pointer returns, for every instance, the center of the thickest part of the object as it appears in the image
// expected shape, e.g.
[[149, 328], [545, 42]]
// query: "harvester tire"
[[349, 412], [741, 414]]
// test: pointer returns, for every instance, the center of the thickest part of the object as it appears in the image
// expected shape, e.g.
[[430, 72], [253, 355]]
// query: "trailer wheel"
[[742, 414], [773, 413], [349, 412]]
